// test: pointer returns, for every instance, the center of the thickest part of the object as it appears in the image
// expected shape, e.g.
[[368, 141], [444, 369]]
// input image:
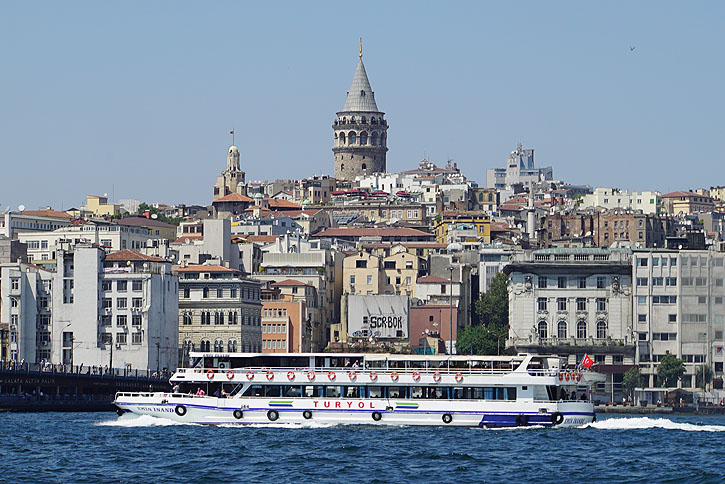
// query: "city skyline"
[[136, 100]]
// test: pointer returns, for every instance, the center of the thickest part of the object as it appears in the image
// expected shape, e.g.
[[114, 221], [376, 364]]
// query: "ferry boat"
[[349, 388]]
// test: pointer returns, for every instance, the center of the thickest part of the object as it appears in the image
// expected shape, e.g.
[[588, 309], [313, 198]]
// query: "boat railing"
[[382, 371]]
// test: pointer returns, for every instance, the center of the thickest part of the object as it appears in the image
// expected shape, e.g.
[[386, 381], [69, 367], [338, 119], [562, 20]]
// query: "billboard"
[[379, 316]]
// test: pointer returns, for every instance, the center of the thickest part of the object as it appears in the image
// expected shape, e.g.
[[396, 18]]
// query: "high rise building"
[[361, 139]]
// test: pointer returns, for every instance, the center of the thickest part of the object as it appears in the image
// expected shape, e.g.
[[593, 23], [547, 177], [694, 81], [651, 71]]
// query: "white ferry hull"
[[259, 410]]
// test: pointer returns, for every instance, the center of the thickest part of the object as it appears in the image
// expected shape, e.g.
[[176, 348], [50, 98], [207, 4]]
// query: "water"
[[102, 448]]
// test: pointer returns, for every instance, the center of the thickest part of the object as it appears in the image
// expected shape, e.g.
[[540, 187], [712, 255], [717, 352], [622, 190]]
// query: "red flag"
[[587, 362], [231, 132]]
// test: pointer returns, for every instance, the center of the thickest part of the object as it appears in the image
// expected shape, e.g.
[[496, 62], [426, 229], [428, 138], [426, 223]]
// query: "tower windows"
[[364, 166], [351, 138], [342, 138], [363, 138], [374, 138], [342, 166]]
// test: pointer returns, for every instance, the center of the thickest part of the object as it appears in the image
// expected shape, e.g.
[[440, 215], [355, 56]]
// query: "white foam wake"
[[135, 420], [651, 423]]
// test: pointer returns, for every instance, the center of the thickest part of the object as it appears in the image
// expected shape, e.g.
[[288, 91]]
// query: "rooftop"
[[133, 256]]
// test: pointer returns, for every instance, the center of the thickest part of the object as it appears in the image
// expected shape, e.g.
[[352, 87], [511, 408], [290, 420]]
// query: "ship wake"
[[636, 423]]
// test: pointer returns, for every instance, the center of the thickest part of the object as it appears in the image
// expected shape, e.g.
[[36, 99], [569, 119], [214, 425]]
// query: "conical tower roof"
[[360, 97]]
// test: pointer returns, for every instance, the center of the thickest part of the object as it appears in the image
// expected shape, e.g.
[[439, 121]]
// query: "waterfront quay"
[[35, 387]]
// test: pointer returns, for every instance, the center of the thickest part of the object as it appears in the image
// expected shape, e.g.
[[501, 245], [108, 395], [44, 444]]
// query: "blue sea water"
[[103, 448]]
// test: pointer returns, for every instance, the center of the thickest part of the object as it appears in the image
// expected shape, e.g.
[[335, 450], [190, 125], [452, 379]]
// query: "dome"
[[258, 195], [233, 149], [306, 202]]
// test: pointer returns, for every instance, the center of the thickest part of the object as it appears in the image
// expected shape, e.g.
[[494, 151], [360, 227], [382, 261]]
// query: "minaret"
[[361, 139]]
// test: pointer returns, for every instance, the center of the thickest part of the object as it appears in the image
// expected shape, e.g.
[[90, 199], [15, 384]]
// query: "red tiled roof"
[[500, 227], [262, 239], [206, 268], [432, 280], [191, 237], [368, 232], [233, 197], [46, 213], [132, 255], [289, 282], [144, 222], [280, 203], [683, 194]]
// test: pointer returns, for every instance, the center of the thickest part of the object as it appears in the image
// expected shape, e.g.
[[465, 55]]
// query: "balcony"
[[567, 346]]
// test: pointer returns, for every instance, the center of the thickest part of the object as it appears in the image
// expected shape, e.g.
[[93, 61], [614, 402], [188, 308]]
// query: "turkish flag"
[[587, 362]]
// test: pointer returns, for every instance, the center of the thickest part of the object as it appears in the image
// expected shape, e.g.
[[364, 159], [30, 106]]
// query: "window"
[[107, 303], [233, 293], [220, 292], [369, 279], [657, 281], [352, 279], [664, 261], [641, 318], [672, 318], [187, 293], [581, 304], [561, 304], [121, 320], [187, 319], [582, 283], [543, 330], [233, 317], [361, 264], [670, 281], [641, 299], [542, 282], [561, 329], [581, 330], [561, 282], [136, 338], [701, 299], [136, 302], [601, 330], [673, 261], [121, 303], [136, 286], [601, 304], [136, 320], [642, 262], [121, 286], [601, 282], [655, 261], [409, 264], [121, 338], [541, 303], [642, 281], [205, 293], [106, 285]]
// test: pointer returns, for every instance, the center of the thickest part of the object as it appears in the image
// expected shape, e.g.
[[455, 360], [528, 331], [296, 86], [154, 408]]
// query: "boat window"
[[375, 392], [484, 393], [416, 392], [396, 392], [375, 363], [396, 364], [253, 391], [333, 391], [313, 391], [416, 364], [352, 392], [272, 390], [291, 391]]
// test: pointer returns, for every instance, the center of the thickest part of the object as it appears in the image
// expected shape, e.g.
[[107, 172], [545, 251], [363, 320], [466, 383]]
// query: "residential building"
[[573, 302], [99, 206], [356, 235], [360, 131], [614, 198], [477, 223], [286, 326], [493, 260], [219, 310], [374, 318], [519, 170], [436, 292], [157, 228], [28, 221], [686, 202]]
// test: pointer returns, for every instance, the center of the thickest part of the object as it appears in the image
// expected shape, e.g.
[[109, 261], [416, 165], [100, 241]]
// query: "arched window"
[[364, 121], [342, 166], [374, 138], [561, 329], [344, 120], [543, 330], [351, 138], [581, 330], [363, 138], [342, 138], [373, 120], [205, 292], [601, 330], [364, 166], [383, 140]]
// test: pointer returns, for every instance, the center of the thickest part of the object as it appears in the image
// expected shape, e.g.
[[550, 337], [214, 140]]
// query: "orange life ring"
[[373, 376], [210, 374], [270, 375], [437, 376], [561, 376], [394, 376], [197, 370], [311, 375], [352, 374], [331, 375], [578, 377], [250, 375], [290, 375], [459, 377], [566, 375], [230, 374], [416, 375]]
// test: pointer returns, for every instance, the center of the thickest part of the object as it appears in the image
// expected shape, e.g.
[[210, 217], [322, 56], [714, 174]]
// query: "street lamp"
[[450, 299], [158, 349]]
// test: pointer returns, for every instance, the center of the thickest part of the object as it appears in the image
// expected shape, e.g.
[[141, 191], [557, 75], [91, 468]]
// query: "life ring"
[[447, 418], [437, 376], [561, 376], [238, 414], [307, 414], [197, 370], [250, 375], [566, 376], [331, 375], [180, 410], [210, 374], [270, 375], [394, 376], [459, 377], [377, 416], [311, 375], [273, 415], [416, 375], [557, 418], [352, 374], [521, 420], [290, 375], [230, 374], [373, 376], [578, 377]]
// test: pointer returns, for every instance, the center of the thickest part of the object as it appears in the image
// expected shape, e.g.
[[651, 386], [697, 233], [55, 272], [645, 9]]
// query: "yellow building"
[[100, 207], [478, 223], [365, 273]]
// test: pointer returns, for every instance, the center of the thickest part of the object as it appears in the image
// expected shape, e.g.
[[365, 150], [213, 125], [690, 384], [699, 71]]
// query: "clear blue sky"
[[136, 99]]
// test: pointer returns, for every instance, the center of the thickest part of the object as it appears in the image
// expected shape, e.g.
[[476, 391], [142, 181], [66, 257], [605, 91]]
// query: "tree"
[[489, 336], [670, 371], [145, 207], [699, 374], [630, 381]]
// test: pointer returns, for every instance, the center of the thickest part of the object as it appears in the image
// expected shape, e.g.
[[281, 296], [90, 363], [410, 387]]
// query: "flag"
[[587, 362], [231, 132]]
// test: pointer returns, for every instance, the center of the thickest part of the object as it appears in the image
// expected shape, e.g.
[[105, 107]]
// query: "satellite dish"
[[21, 207], [105, 194], [154, 216], [186, 241]]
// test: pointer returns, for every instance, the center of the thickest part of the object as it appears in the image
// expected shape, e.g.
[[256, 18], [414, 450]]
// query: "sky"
[[136, 99]]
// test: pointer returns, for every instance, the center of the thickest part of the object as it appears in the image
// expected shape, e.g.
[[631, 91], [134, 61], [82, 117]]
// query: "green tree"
[[145, 207], [699, 372], [670, 371], [630, 381], [489, 336]]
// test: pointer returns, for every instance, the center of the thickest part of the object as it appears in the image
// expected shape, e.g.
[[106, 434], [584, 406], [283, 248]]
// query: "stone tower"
[[232, 180], [361, 138]]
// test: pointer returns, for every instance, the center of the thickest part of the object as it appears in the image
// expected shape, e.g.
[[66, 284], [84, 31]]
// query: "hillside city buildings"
[[320, 263]]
